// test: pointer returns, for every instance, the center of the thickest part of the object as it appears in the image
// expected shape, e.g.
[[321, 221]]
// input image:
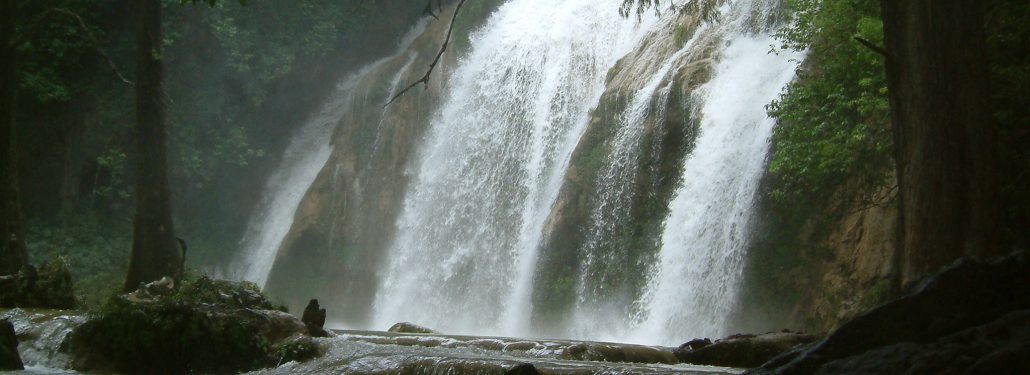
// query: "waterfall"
[[490, 168], [546, 87], [693, 285], [305, 156]]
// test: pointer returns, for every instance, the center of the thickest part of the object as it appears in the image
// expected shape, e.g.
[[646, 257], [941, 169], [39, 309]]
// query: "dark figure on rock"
[[314, 319]]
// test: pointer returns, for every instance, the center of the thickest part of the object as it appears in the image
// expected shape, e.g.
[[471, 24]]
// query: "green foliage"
[[1008, 39], [833, 120], [707, 9], [95, 250]]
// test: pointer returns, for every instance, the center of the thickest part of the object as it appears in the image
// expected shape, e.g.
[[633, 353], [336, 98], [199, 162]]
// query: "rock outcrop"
[[206, 326], [9, 358], [741, 350], [969, 316]]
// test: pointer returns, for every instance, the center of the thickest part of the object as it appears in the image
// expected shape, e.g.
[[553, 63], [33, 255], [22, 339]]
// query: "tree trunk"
[[940, 105], [154, 252], [12, 241]]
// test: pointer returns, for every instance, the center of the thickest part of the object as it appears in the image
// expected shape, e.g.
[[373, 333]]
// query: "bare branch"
[[870, 45], [877, 201], [85, 30], [443, 48]]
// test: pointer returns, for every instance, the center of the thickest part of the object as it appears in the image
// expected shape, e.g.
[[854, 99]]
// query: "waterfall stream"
[[492, 165], [483, 187], [304, 157]]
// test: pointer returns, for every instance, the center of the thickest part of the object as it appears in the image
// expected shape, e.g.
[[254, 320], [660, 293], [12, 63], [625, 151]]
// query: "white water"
[[303, 159], [490, 169], [493, 161], [694, 284], [464, 258]]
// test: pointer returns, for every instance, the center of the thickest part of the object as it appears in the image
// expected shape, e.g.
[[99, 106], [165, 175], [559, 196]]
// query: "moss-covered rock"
[[300, 349], [204, 326]]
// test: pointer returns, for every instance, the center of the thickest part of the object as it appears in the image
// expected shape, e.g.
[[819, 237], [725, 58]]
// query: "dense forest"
[[138, 135], [226, 75]]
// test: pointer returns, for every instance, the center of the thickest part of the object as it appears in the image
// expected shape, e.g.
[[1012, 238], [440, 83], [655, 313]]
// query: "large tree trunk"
[[12, 242], [154, 252], [940, 102]]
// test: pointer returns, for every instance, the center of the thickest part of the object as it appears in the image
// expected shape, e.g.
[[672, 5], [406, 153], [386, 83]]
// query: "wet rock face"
[[972, 315], [405, 327], [999, 347], [741, 350], [9, 358]]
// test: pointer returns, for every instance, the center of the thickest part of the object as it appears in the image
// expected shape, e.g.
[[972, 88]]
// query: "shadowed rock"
[[741, 350], [953, 309]]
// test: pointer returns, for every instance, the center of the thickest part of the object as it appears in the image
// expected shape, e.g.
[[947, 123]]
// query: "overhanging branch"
[[443, 48], [85, 30]]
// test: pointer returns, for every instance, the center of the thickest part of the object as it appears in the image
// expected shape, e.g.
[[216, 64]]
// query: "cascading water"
[[303, 159], [694, 282], [489, 171], [305, 156], [483, 189]]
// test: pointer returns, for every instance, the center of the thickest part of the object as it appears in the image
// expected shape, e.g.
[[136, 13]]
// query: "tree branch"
[[443, 48], [85, 29], [871, 46]]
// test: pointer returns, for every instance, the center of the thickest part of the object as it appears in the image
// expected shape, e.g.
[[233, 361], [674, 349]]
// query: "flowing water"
[[492, 165], [485, 180], [362, 352], [694, 283], [301, 162]]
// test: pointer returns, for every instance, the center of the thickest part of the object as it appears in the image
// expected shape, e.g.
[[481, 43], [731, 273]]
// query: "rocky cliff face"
[[813, 273]]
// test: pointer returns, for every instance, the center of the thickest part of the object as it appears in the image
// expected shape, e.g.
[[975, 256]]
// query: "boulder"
[[314, 319], [405, 327], [206, 326], [968, 294], [9, 358], [741, 350]]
